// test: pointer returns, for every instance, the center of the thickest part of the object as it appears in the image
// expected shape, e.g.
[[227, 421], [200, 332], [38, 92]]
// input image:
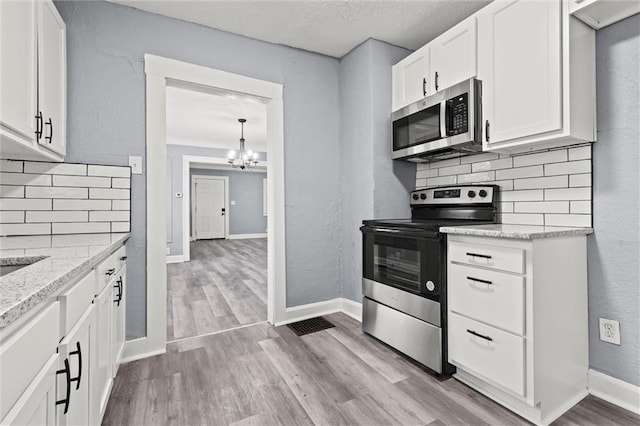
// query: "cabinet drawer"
[[491, 353], [120, 257], [494, 257], [492, 297], [106, 272], [75, 301], [24, 354]]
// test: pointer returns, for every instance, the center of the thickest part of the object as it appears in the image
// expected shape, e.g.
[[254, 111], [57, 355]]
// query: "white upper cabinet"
[[537, 66], [32, 81], [52, 77], [453, 55], [410, 79]]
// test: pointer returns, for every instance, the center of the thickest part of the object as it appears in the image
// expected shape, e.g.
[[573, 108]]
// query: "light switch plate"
[[233, 203], [135, 163]]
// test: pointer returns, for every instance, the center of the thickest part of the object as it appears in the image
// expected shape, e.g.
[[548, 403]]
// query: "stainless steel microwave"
[[444, 125]]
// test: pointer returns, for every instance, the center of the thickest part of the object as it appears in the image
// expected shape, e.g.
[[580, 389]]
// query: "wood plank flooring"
[[222, 287], [265, 375]]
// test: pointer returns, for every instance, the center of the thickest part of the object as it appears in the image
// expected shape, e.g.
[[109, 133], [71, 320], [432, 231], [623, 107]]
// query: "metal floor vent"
[[310, 326]]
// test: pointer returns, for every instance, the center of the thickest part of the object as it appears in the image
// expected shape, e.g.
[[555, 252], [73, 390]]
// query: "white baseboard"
[[614, 390], [178, 258], [245, 236], [139, 348], [352, 309]]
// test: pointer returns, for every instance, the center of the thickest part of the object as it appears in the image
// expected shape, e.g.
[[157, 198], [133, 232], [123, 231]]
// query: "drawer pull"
[[480, 281], [118, 287], [479, 335], [123, 258], [484, 256], [67, 372], [110, 271]]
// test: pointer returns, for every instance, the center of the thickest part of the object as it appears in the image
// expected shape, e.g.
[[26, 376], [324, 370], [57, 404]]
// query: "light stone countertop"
[[518, 232], [58, 260]]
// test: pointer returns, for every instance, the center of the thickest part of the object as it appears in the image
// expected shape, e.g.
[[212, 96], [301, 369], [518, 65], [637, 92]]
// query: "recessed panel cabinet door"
[[52, 78], [411, 79], [119, 309], [102, 372], [18, 83], [453, 55], [519, 63]]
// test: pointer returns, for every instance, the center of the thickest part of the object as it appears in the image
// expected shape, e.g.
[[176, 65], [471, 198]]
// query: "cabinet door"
[[52, 77], [119, 318], [18, 90], [453, 55], [411, 79], [102, 372], [78, 350], [520, 66]]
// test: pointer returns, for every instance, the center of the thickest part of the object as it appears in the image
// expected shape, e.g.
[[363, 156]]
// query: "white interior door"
[[210, 208]]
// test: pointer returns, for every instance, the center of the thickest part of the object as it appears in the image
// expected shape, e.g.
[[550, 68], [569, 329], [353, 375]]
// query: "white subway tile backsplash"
[[56, 192], [66, 240], [109, 216], [454, 170], [541, 207], [542, 182], [108, 194], [80, 227], [25, 242], [83, 181], [11, 217], [533, 186], [569, 194], [25, 179], [520, 172], [24, 204], [55, 168], [53, 198], [576, 220], [540, 158], [11, 191], [580, 180], [57, 216], [82, 204], [580, 153], [111, 171], [568, 168]]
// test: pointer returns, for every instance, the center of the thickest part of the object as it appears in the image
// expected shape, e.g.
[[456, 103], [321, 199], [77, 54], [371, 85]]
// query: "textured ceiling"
[[210, 119], [329, 27]]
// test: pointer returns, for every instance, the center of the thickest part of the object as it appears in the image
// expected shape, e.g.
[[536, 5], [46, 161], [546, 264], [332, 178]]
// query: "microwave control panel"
[[457, 113]]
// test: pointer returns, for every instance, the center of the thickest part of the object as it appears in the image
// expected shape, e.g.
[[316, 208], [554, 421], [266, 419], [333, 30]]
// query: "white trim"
[[158, 71], [352, 309], [137, 349], [245, 236], [614, 390], [227, 210], [178, 258]]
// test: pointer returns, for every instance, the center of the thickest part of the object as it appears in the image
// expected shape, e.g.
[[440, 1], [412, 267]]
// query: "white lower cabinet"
[[57, 365], [517, 312]]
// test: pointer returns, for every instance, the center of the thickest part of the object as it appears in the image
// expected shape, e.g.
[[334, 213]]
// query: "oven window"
[[423, 126], [396, 262]]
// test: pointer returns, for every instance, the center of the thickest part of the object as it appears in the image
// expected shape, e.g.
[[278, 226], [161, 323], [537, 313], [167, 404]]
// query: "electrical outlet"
[[610, 331]]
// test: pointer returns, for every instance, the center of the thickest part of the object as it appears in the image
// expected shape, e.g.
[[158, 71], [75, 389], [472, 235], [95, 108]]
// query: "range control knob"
[[423, 196], [431, 286], [482, 193], [415, 196], [471, 194]]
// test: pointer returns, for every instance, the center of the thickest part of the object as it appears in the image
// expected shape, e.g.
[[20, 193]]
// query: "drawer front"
[[492, 297], [75, 301], [106, 272], [494, 257], [121, 257], [500, 360], [24, 354]]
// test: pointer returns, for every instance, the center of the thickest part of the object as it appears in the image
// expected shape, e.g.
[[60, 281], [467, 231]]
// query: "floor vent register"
[[310, 326]]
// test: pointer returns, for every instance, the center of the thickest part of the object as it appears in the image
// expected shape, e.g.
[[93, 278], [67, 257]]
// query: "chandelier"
[[244, 159]]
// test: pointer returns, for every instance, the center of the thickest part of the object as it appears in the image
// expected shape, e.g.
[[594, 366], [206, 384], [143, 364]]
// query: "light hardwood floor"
[[222, 287], [265, 375]]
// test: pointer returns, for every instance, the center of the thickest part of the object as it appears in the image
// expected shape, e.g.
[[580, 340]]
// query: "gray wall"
[[245, 188], [174, 184], [366, 167], [614, 249], [106, 44]]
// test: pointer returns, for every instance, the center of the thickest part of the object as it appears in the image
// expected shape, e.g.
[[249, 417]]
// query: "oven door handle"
[[404, 233]]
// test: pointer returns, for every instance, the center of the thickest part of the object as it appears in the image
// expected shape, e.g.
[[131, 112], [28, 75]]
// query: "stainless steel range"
[[404, 270]]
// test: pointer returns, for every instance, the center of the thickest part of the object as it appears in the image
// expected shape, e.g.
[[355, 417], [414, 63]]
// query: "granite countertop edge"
[[12, 313], [517, 232]]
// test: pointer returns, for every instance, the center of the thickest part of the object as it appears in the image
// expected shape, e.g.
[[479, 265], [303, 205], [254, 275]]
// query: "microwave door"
[[424, 126]]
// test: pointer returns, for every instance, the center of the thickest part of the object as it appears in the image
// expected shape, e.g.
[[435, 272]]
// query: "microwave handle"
[[443, 119]]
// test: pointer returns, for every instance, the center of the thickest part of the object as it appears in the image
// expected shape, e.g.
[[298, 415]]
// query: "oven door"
[[411, 261]]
